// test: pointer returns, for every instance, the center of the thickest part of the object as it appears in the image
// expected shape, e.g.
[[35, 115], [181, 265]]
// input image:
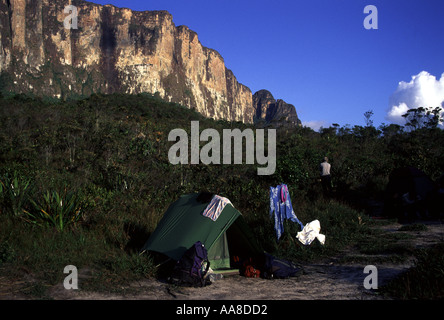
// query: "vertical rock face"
[[114, 50], [271, 111]]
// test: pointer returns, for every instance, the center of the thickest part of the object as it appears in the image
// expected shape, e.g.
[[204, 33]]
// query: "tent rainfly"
[[183, 224]]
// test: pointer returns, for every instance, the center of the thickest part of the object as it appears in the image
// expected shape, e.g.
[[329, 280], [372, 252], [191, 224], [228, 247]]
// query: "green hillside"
[[85, 182]]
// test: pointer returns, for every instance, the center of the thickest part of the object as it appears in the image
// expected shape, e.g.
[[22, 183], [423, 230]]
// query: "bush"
[[56, 210], [7, 252], [14, 192]]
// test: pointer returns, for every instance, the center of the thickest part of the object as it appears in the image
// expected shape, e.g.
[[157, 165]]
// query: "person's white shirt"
[[325, 168]]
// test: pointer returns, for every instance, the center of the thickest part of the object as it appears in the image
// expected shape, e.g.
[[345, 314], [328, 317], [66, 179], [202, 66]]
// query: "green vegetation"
[[424, 281], [85, 182], [57, 210]]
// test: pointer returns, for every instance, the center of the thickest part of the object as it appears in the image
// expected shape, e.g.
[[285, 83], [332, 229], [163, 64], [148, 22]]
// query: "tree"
[[434, 117], [423, 117], [391, 129], [368, 121]]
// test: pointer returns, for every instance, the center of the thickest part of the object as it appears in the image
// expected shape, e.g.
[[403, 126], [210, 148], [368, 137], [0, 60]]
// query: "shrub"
[[14, 191], [54, 209]]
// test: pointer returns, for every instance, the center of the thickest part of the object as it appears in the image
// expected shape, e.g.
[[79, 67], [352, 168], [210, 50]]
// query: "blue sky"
[[318, 56]]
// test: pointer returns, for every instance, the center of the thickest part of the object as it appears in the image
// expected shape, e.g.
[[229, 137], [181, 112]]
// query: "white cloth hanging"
[[311, 232]]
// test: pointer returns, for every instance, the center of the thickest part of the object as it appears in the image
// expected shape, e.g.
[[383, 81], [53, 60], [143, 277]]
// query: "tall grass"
[[425, 281]]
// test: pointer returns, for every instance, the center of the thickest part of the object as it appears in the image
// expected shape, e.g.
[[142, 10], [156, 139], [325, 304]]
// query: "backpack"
[[280, 269], [191, 269]]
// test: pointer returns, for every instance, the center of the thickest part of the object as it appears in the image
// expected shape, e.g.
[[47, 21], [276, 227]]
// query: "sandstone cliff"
[[114, 50]]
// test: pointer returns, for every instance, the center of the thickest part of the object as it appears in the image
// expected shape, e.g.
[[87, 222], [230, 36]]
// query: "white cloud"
[[396, 112], [423, 90], [316, 124]]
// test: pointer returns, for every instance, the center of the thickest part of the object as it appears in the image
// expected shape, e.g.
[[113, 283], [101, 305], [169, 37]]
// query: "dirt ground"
[[329, 280]]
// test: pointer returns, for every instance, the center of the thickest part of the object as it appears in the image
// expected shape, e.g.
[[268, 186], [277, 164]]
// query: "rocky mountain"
[[74, 48], [274, 112]]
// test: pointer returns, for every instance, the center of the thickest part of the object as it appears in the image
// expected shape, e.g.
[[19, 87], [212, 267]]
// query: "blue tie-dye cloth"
[[280, 204]]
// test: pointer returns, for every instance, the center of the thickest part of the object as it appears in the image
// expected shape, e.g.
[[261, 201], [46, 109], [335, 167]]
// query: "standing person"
[[325, 176]]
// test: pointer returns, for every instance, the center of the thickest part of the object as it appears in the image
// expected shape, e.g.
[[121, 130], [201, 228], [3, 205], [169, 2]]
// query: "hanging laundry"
[[215, 207], [311, 232], [280, 204]]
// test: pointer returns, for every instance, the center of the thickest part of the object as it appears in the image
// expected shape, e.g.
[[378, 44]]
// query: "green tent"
[[183, 225]]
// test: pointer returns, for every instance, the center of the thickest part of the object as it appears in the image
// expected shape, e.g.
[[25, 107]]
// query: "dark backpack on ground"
[[189, 270], [279, 268]]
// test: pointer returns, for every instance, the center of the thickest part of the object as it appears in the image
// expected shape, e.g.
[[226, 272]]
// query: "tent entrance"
[[237, 241], [219, 254]]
